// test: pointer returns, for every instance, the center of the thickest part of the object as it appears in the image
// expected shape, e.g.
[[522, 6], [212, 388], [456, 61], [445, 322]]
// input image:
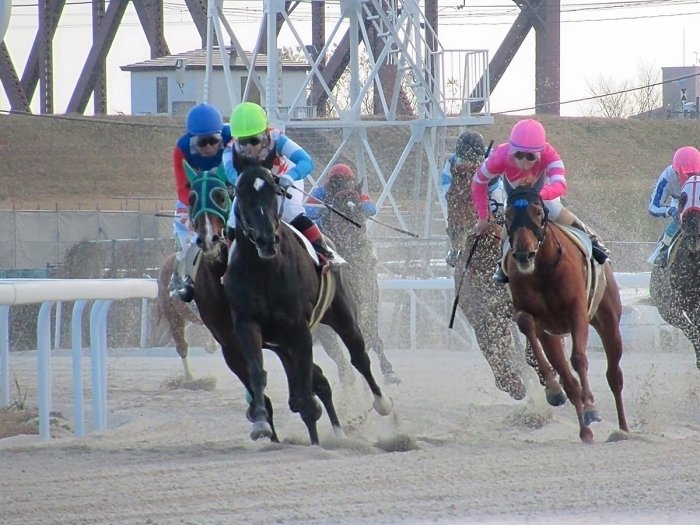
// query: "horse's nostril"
[[215, 238], [530, 256], [199, 242]]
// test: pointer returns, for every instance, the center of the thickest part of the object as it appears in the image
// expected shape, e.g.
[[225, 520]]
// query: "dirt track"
[[461, 451]]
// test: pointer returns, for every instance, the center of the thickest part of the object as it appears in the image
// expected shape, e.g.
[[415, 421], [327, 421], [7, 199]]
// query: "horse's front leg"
[[250, 341], [304, 402], [553, 391], [579, 362]]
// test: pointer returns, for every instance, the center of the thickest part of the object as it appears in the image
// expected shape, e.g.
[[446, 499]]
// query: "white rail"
[[50, 291], [103, 292]]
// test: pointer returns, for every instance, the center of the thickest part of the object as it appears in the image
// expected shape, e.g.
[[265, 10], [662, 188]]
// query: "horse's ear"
[[682, 201], [220, 173], [191, 174]]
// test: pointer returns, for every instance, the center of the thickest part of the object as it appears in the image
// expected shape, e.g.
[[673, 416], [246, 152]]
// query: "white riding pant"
[[553, 208], [182, 229]]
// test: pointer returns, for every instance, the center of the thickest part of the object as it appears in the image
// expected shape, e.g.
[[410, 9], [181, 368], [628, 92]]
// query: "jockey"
[[664, 198], [201, 147], [469, 153], [525, 158], [340, 177], [272, 149]]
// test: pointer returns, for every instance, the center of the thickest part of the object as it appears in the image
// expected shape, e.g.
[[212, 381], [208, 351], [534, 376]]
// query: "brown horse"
[[485, 305], [177, 315], [548, 282], [675, 289], [355, 247]]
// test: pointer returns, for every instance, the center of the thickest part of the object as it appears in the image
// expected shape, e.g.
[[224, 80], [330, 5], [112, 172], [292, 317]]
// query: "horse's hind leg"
[[350, 333], [330, 344], [304, 401], [607, 324], [322, 388]]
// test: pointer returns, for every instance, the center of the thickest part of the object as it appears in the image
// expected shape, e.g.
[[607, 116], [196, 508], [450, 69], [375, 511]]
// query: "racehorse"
[[176, 315], [549, 282], [354, 246], [273, 287], [209, 205], [675, 289], [486, 305]]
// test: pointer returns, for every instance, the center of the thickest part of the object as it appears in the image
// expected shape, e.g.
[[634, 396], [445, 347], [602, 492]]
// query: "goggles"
[[526, 155], [208, 140], [250, 141]]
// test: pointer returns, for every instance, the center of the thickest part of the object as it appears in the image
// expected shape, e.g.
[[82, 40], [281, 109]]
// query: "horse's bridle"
[[520, 200], [248, 230]]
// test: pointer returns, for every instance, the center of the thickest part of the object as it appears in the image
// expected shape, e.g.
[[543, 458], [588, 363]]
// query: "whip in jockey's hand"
[[481, 226]]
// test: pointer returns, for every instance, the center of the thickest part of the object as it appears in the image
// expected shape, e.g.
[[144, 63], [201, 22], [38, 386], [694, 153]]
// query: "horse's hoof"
[[339, 432], [382, 406], [513, 386], [590, 415], [261, 429], [555, 396]]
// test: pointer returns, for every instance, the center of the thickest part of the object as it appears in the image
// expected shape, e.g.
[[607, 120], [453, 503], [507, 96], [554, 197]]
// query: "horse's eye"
[[220, 197]]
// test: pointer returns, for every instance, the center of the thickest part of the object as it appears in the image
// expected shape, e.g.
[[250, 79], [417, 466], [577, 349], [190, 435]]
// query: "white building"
[[172, 84]]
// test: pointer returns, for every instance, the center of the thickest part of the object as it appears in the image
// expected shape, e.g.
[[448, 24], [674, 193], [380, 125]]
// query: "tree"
[[624, 98]]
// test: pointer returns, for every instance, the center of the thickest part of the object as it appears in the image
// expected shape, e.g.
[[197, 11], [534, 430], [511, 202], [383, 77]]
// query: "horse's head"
[[348, 202], [209, 205], [689, 204], [257, 212], [526, 217]]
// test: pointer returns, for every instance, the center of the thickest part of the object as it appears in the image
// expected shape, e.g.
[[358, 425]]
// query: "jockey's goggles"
[[526, 155], [208, 140], [250, 141]]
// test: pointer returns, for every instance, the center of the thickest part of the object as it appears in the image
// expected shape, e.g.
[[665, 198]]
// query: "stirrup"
[[499, 277]]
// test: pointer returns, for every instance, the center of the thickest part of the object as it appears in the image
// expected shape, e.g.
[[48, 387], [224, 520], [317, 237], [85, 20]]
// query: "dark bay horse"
[[486, 305], [210, 205], [273, 286], [355, 247], [548, 275], [176, 316], [675, 289]]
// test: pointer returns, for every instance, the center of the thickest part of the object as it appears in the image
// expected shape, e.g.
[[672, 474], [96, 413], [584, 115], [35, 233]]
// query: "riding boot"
[[312, 232], [600, 251], [181, 287]]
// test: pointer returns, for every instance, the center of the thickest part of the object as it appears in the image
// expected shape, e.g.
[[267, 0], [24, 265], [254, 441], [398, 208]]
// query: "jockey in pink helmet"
[[523, 160], [664, 198]]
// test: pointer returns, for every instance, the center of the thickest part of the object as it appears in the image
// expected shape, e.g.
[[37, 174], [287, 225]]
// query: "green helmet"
[[247, 119]]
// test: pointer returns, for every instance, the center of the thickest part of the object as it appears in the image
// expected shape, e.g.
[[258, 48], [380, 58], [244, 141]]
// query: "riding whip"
[[415, 235], [461, 280], [331, 208]]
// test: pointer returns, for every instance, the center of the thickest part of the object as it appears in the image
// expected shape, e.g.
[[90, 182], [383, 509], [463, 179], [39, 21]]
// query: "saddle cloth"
[[595, 274]]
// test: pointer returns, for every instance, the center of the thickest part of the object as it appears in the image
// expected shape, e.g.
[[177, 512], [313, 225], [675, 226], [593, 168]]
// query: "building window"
[[161, 94]]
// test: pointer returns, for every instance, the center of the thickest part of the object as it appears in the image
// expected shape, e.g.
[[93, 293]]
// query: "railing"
[[50, 291], [103, 292]]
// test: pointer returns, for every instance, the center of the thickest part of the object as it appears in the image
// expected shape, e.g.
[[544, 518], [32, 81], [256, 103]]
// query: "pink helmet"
[[527, 135], [686, 161]]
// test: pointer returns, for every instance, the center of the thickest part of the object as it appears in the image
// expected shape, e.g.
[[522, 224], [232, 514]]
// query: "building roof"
[[197, 59]]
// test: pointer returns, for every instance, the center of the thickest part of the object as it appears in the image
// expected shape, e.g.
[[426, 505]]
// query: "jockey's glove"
[[672, 212], [285, 181]]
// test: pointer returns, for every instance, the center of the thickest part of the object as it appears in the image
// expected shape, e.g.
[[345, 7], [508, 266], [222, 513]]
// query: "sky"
[[599, 38]]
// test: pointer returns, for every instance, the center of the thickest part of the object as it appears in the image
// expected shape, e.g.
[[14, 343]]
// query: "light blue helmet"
[[204, 119]]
